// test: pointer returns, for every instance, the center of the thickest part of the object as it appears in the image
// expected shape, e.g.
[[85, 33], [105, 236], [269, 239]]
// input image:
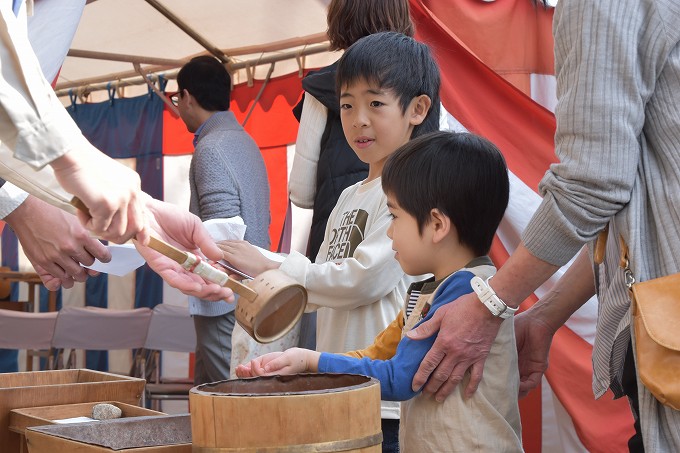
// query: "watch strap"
[[488, 297]]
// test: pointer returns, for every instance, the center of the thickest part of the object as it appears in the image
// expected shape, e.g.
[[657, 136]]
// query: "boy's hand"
[[256, 366], [292, 361], [243, 256]]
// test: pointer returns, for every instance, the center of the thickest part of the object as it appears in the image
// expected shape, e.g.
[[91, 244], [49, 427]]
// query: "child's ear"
[[440, 225], [420, 106]]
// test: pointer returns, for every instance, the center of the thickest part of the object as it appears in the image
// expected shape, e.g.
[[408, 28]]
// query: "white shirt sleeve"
[[34, 127], [302, 180], [10, 198], [367, 276]]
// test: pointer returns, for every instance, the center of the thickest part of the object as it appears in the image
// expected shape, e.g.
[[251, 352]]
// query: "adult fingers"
[[476, 373], [449, 381], [428, 328], [427, 369], [96, 250], [529, 383]]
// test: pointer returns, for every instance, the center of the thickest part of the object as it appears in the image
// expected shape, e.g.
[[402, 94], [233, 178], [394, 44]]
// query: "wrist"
[[488, 297], [313, 361], [17, 217], [547, 311]]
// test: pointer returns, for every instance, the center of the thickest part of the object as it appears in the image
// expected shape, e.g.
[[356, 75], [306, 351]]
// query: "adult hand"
[[466, 332], [110, 190], [533, 345], [245, 257], [184, 230], [55, 243]]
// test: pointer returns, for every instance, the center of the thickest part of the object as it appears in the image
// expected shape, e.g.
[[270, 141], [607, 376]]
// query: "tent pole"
[[155, 89], [306, 41], [189, 31], [133, 78], [259, 94], [126, 58]]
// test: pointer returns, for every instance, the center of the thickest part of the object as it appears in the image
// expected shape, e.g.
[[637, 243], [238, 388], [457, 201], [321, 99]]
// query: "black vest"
[[338, 166]]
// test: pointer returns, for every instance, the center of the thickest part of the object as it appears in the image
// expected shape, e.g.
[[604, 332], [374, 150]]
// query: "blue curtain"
[[125, 128]]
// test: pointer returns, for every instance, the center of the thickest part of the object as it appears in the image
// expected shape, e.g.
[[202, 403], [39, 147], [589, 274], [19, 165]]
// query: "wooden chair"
[[97, 329], [6, 293], [25, 330], [171, 329]]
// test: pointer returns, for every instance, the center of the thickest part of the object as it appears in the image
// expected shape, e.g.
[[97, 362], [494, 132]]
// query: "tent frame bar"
[[248, 50], [167, 62], [189, 31], [133, 77]]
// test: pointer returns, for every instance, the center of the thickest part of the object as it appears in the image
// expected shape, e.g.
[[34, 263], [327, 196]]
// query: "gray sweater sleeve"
[[603, 84]]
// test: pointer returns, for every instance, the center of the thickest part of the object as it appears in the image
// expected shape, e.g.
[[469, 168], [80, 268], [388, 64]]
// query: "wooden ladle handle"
[[189, 261]]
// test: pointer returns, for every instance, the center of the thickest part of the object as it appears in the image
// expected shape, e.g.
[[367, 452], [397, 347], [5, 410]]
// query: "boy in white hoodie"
[[388, 86]]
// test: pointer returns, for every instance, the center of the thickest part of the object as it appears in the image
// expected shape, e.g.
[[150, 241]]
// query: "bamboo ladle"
[[269, 305]]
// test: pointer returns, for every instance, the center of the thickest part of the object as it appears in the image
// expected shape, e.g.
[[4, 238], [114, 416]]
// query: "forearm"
[[520, 276], [351, 283], [574, 289]]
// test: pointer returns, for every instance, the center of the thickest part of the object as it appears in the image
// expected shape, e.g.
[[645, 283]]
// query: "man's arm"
[[36, 130], [55, 243], [535, 328], [467, 329]]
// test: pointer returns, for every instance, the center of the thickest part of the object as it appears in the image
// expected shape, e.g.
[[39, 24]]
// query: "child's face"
[[408, 243], [374, 123]]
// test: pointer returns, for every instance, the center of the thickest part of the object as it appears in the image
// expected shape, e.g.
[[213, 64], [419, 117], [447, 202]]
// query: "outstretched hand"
[[184, 230], [293, 360], [244, 256], [256, 366], [466, 332]]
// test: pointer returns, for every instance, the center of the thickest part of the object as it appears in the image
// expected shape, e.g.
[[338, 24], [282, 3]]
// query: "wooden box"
[[52, 388], [156, 434], [20, 419]]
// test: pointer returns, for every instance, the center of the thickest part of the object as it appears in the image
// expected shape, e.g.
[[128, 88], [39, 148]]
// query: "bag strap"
[[599, 253], [601, 245]]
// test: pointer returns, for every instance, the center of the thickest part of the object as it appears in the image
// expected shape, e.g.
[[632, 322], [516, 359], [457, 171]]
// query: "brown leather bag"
[[656, 321]]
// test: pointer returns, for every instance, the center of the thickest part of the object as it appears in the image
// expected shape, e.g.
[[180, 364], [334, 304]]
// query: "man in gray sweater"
[[227, 178]]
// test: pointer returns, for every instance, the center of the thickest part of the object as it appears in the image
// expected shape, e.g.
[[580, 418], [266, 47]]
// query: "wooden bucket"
[[290, 414]]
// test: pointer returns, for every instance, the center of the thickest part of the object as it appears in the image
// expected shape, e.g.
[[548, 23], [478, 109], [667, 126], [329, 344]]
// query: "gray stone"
[[106, 411]]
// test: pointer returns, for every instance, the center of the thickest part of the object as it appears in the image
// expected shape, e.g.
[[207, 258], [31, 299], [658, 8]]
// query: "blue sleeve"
[[396, 374]]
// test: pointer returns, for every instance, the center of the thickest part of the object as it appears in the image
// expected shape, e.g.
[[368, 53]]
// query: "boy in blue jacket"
[[447, 193]]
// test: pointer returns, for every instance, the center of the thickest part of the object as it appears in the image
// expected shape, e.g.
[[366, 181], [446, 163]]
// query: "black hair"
[[462, 175], [207, 80], [395, 62]]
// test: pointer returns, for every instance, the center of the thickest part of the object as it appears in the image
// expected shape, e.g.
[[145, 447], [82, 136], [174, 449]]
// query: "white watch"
[[488, 296]]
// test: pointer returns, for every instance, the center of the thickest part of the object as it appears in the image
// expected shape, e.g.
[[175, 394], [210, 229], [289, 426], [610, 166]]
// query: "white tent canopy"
[[249, 33]]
